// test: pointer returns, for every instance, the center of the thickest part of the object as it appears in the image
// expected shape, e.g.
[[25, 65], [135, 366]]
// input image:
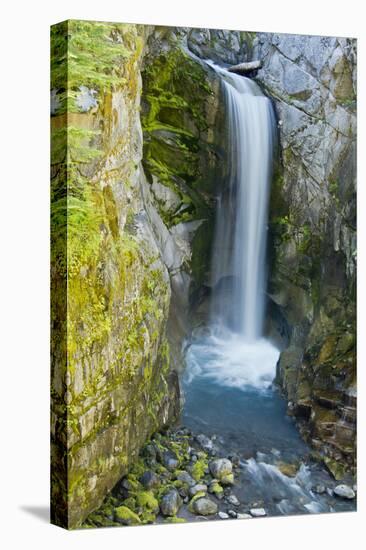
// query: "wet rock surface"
[[193, 491], [205, 507], [344, 491], [312, 81], [170, 503]]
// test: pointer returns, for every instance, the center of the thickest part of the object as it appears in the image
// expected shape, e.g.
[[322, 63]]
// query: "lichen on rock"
[[312, 228]]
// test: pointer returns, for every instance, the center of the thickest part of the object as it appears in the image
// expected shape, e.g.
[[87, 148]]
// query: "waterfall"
[[233, 351], [241, 219]]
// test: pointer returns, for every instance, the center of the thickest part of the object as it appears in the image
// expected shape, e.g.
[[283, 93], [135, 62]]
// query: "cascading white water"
[[233, 352], [241, 222]]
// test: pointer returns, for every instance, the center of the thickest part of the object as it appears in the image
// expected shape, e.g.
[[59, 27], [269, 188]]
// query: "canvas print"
[[203, 226]]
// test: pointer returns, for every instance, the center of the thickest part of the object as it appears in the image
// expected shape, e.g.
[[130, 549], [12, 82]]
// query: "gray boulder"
[[170, 503], [258, 512], [344, 491], [149, 480], [221, 468], [204, 507], [200, 487], [186, 478]]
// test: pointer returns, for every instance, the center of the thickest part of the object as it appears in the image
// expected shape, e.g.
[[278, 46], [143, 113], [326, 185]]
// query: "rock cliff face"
[[313, 226], [113, 387], [122, 242]]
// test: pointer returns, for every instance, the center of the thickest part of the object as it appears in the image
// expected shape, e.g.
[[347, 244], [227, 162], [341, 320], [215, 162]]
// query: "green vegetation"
[[91, 54], [142, 505], [175, 92]]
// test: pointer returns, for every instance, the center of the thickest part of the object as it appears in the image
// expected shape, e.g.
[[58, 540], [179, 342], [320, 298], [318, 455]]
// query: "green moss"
[[199, 468], [89, 53], [337, 469], [175, 519], [175, 91], [127, 516], [146, 499], [181, 450], [131, 503], [198, 495], [216, 488]]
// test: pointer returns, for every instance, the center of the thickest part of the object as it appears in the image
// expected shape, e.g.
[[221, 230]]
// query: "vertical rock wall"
[[313, 226], [112, 385], [121, 244]]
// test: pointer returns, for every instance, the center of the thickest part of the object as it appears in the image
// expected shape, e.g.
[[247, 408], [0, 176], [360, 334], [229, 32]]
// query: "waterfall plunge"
[[234, 352], [241, 221]]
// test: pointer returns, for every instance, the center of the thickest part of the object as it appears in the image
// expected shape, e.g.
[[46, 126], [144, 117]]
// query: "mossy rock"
[[175, 519], [198, 495], [228, 479], [199, 469], [337, 469], [288, 469], [176, 93], [126, 516], [327, 349], [147, 500], [216, 489]]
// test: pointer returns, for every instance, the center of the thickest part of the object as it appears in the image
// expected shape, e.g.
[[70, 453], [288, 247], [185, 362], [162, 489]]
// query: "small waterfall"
[[233, 352], [241, 221]]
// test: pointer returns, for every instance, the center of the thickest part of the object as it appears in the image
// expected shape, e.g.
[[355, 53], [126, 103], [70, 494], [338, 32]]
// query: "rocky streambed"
[[180, 476]]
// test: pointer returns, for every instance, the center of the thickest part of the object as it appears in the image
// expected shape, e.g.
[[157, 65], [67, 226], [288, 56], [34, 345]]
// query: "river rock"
[[319, 489], [205, 442], [216, 489], [125, 516], [223, 515], [170, 460], [232, 514], [288, 469], [344, 491], [149, 480], [232, 499], [170, 503], [235, 460], [221, 468], [227, 479], [200, 487], [243, 516], [186, 478], [149, 452], [257, 512], [204, 507]]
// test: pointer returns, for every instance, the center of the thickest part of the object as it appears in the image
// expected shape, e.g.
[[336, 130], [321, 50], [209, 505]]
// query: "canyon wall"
[[312, 81], [127, 243]]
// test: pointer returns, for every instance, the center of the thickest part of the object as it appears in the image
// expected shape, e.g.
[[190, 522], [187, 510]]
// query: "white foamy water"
[[225, 358]]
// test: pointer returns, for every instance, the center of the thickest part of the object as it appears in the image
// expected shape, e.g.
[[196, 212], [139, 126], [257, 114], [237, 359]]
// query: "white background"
[[24, 257]]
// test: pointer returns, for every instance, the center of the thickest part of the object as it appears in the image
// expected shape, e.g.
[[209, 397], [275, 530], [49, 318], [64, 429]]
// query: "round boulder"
[[170, 503], [221, 468], [344, 491], [149, 480], [204, 507]]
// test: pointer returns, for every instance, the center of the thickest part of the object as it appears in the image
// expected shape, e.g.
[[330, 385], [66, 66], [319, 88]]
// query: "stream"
[[250, 422]]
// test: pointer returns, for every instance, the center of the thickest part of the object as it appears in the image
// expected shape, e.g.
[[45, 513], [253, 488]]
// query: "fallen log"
[[244, 68]]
